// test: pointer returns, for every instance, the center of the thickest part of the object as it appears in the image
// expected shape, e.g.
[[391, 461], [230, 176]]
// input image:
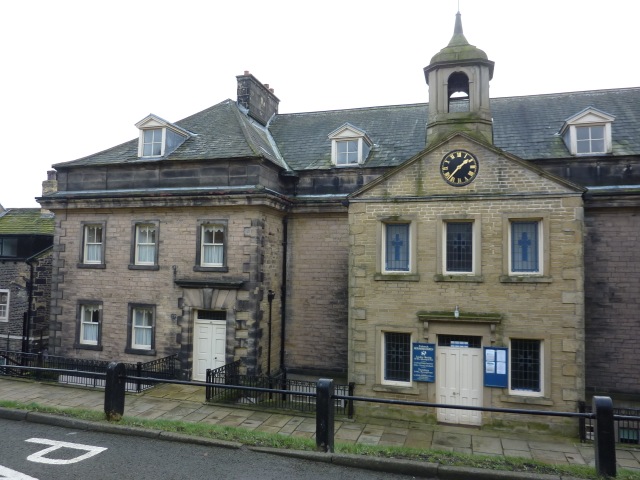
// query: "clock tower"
[[458, 77]]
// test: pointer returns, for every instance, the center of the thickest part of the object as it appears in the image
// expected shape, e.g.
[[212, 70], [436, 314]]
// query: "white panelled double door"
[[459, 382]]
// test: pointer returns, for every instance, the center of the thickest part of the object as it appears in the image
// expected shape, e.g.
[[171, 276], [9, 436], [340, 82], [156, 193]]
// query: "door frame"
[[214, 323], [475, 373]]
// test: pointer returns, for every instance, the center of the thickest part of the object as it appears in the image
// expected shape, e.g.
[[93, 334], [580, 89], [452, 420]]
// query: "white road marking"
[[39, 457], [8, 474]]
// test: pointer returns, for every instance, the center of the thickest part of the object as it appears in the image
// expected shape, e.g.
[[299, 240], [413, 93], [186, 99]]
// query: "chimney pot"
[[246, 72]]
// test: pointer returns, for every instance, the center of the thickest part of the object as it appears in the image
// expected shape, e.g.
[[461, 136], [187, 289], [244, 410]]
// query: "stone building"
[[463, 242], [26, 239]]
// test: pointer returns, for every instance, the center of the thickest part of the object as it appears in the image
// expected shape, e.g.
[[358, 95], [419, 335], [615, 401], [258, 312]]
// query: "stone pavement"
[[186, 403]]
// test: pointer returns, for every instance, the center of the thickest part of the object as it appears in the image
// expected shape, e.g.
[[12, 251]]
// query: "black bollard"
[[605, 441], [324, 415], [114, 391]]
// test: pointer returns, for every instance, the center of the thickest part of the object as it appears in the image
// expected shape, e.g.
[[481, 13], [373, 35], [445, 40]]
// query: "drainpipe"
[[270, 296], [26, 322], [283, 293]]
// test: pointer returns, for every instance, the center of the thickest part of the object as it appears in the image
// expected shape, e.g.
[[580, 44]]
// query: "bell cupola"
[[458, 78]]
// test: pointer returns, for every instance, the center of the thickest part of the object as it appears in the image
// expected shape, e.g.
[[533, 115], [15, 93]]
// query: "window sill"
[[542, 401], [396, 277], [135, 351], [100, 266], [458, 278], [413, 390], [210, 269], [525, 279], [82, 346], [143, 267]]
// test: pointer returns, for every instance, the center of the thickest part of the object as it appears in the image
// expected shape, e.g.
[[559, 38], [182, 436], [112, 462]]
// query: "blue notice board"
[[496, 367], [424, 362]]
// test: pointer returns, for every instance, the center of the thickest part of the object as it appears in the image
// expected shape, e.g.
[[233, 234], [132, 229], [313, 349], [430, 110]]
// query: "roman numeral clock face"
[[459, 168]]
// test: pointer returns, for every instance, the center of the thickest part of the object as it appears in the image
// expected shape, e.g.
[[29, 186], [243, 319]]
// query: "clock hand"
[[460, 166]]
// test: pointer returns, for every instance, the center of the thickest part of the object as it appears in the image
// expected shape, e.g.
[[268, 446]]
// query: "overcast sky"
[[77, 75]]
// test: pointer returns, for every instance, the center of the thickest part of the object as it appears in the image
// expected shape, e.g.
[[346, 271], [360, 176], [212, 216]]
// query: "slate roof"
[[525, 126], [26, 221], [397, 133], [528, 126], [221, 131]]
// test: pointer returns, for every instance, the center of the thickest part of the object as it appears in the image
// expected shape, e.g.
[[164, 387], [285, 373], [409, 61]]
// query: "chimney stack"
[[257, 98]]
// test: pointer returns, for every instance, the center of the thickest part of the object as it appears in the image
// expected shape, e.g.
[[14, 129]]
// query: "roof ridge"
[[574, 92], [337, 110]]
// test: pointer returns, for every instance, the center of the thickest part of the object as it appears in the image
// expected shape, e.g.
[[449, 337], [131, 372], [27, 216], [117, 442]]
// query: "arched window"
[[458, 93]]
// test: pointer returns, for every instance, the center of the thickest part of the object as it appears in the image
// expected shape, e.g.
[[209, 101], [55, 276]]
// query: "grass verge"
[[253, 438]]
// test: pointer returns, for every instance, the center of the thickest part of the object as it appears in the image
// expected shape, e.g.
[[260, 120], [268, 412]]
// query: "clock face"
[[459, 168]]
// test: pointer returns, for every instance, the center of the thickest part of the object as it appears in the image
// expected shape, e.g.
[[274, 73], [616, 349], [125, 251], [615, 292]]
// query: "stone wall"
[[316, 339], [549, 308], [254, 240], [14, 276], [612, 268]]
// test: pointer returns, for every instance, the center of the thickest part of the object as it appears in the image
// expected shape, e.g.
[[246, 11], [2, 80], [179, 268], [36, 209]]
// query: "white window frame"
[[590, 141], [541, 367], [148, 314], [154, 141], [84, 308], [342, 158], [349, 133], [383, 362], [4, 305], [204, 245], [385, 226], [88, 243], [139, 244], [540, 250], [589, 117], [166, 130]]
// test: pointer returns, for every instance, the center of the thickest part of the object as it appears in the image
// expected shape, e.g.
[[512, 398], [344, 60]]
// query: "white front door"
[[459, 377], [209, 347]]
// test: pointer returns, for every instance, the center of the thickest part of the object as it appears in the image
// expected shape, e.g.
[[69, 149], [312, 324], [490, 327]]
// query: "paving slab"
[[368, 439], [549, 456], [346, 435], [450, 439], [392, 439], [511, 444], [486, 445], [517, 453], [419, 439]]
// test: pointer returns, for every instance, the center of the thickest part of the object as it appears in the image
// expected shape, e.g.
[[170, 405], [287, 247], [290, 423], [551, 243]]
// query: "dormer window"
[[588, 132], [590, 139], [159, 138], [349, 146], [152, 139], [346, 152]]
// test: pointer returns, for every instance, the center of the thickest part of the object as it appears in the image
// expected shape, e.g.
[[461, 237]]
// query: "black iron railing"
[[626, 423], [77, 370], [299, 396]]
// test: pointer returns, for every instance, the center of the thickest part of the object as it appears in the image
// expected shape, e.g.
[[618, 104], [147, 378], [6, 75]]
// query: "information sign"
[[496, 369], [424, 362]]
